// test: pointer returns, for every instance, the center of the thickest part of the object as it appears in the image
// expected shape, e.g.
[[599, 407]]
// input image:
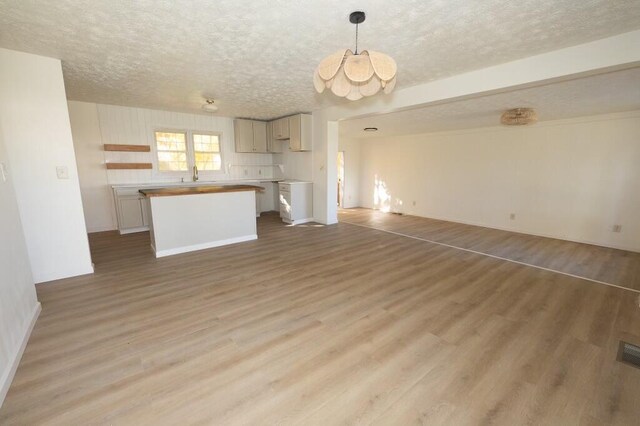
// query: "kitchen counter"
[[200, 189], [220, 182]]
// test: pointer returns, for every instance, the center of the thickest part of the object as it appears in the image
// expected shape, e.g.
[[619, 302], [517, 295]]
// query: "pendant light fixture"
[[519, 117], [353, 75]]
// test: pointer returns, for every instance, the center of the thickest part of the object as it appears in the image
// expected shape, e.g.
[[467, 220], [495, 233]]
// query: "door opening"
[[340, 168]]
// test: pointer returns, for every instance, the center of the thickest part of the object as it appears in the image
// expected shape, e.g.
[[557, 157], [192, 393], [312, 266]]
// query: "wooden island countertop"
[[194, 190]]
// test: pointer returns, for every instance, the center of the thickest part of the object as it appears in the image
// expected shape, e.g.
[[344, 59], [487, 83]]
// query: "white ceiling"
[[605, 93], [257, 57]]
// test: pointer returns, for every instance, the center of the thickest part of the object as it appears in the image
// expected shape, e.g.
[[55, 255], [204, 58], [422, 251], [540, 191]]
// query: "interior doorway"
[[340, 169]]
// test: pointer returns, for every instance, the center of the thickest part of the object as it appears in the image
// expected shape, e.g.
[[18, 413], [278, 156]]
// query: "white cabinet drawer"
[[284, 187]]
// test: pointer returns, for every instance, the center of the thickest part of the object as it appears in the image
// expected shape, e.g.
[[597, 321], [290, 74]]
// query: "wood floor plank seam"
[[334, 325], [493, 256]]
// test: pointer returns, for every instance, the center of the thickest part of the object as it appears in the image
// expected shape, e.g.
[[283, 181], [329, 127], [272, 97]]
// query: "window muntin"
[[206, 151], [172, 151]]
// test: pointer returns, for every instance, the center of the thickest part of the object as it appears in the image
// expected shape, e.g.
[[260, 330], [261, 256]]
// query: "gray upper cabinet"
[[300, 132], [273, 145], [280, 129], [259, 136], [250, 135], [243, 131]]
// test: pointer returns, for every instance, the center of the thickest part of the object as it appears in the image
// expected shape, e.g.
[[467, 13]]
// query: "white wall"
[[297, 165], [96, 124], [97, 198], [351, 148], [37, 135], [570, 179], [18, 303]]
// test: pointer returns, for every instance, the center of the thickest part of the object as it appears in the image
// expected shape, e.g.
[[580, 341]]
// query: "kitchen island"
[[189, 218]]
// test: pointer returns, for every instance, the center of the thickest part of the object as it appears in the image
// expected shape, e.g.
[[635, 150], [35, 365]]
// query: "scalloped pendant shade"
[[356, 75], [519, 117]]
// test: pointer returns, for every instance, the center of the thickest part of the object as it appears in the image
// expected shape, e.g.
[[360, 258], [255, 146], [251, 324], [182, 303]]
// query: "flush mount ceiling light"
[[354, 75], [210, 106], [370, 129], [519, 117]]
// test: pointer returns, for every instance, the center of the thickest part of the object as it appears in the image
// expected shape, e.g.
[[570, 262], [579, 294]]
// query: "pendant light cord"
[[357, 39]]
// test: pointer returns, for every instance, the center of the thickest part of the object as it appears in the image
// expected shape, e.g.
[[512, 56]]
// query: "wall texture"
[[37, 135], [18, 304], [569, 179]]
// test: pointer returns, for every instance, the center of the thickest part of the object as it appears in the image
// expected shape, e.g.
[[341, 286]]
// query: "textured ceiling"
[[257, 57], [605, 93]]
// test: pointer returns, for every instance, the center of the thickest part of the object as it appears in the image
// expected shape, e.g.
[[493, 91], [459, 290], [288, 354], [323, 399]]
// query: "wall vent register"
[[629, 354]]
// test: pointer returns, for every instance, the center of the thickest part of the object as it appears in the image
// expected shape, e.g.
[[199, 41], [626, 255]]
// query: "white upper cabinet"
[[250, 135]]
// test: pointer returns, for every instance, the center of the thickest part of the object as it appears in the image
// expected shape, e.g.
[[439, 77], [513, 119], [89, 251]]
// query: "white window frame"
[[156, 160], [191, 157]]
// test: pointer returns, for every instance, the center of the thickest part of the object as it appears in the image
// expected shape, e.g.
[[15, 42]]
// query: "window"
[[179, 151], [206, 150], [172, 151]]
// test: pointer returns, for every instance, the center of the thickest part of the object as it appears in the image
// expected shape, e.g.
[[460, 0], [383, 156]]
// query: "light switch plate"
[[62, 172]]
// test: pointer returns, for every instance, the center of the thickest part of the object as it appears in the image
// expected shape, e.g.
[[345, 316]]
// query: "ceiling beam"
[[600, 56]]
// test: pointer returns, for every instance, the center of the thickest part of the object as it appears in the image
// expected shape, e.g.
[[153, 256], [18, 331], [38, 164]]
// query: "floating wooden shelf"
[[128, 148], [120, 166]]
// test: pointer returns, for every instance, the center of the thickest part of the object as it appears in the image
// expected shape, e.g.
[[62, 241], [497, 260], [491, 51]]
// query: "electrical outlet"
[[62, 172], [246, 172], [512, 216], [414, 203], [260, 171], [616, 228]]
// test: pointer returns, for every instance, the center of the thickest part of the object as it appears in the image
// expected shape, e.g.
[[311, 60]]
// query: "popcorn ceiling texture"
[[599, 94], [257, 58]]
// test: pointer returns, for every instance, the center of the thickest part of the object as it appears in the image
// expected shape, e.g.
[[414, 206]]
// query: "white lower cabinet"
[[133, 211], [296, 202]]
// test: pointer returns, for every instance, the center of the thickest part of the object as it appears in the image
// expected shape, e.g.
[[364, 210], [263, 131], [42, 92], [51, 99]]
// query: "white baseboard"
[[203, 246], [299, 221], [101, 229], [7, 377], [521, 231], [134, 230]]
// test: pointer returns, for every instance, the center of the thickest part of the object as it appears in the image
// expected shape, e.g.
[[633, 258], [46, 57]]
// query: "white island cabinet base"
[[185, 223]]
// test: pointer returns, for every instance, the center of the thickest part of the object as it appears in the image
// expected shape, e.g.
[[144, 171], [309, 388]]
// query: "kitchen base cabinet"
[[296, 202], [132, 211]]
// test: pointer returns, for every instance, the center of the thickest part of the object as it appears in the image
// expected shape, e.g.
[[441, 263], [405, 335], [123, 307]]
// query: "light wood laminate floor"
[[618, 267], [318, 325]]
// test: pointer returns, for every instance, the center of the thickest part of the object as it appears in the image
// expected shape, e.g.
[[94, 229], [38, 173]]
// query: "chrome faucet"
[[195, 173]]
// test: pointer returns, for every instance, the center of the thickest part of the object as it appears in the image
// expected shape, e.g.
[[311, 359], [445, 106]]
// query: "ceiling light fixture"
[[210, 106], [370, 129], [354, 75], [519, 117]]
